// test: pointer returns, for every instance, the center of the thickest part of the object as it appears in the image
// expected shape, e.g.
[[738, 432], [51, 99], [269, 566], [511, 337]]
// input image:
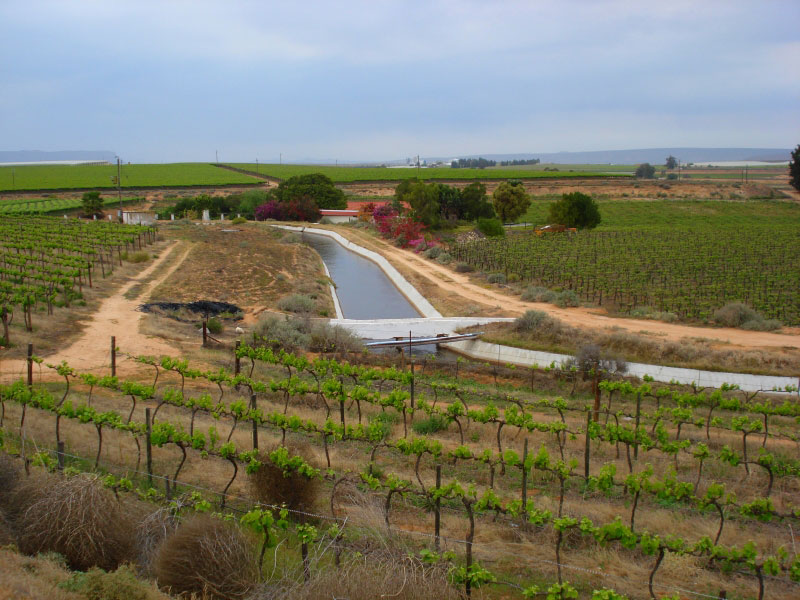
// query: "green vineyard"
[[47, 261], [513, 460], [687, 272]]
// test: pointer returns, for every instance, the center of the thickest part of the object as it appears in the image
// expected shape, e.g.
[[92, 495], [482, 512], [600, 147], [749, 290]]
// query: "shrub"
[[535, 293], [433, 424], [463, 267], [297, 303], [433, 252], [121, 584], [214, 325], [209, 558], [282, 333], [151, 532], [137, 257], [238, 221], [491, 227], [567, 298], [735, 314], [538, 322], [496, 278], [79, 519], [444, 258], [270, 486], [762, 324], [333, 338]]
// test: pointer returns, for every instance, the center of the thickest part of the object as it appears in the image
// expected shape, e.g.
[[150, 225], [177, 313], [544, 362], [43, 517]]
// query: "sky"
[[175, 81]]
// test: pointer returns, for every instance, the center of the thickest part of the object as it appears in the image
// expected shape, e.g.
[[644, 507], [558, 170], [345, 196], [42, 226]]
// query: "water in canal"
[[363, 289]]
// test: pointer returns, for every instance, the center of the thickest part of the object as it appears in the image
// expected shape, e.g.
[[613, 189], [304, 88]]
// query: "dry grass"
[[396, 576], [233, 267], [207, 557], [35, 578], [77, 518], [693, 354], [504, 549]]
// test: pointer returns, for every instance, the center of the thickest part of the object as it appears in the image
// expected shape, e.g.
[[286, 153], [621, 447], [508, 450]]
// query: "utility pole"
[[280, 158], [256, 166], [216, 154], [119, 183]]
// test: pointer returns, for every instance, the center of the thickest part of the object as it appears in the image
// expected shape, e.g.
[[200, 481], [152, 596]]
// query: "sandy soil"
[[117, 315], [450, 283]]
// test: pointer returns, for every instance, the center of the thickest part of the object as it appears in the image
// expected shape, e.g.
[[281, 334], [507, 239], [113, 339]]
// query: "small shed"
[[130, 217], [339, 216]]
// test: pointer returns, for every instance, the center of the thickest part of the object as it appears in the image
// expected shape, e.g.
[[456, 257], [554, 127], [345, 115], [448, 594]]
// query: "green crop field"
[[48, 205], [688, 258], [352, 174], [100, 176], [568, 168]]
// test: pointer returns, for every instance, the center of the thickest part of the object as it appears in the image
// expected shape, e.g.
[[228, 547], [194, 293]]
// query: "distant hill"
[[18, 156], [655, 156]]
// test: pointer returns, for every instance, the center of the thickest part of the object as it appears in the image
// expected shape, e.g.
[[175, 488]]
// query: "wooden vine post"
[[149, 431], [255, 424], [30, 365], [524, 474], [113, 355], [237, 364], [470, 536], [636, 430], [60, 455], [205, 333], [437, 510], [588, 447]]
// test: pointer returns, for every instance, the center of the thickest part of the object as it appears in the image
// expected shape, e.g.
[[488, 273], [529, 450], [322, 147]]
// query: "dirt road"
[[118, 316], [450, 284]]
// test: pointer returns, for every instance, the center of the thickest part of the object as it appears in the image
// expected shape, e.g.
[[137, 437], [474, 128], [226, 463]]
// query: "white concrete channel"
[[433, 323]]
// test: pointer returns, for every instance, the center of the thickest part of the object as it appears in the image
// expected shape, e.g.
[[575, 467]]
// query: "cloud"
[[378, 79]]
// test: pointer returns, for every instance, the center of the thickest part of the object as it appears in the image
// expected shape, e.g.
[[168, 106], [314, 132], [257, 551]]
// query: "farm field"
[[100, 176], [690, 272], [352, 174], [49, 205], [567, 167], [673, 214], [533, 491], [678, 480]]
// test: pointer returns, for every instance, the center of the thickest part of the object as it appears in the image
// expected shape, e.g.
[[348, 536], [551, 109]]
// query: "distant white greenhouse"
[[48, 163]]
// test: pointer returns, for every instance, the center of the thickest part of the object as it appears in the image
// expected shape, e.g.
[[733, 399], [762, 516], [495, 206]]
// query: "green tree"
[[794, 168], [510, 201], [92, 204], [672, 162], [451, 206], [645, 171], [475, 203], [401, 190], [575, 210], [424, 201], [316, 186]]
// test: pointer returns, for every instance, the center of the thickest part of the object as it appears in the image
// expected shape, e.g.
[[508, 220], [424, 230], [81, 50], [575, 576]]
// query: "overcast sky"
[[171, 81]]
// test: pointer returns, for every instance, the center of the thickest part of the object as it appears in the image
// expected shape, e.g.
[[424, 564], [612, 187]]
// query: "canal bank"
[[383, 323]]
